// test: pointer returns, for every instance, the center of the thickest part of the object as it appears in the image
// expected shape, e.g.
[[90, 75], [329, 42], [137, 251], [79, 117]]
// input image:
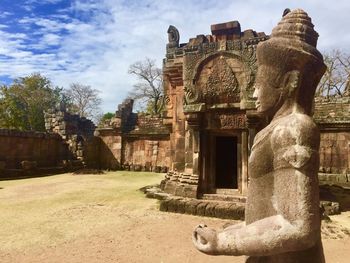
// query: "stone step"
[[210, 208], [223, 197]]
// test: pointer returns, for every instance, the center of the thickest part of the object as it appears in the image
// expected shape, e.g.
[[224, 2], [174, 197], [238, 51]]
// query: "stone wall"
[[110, 149], [43, 149], [67, 124], [332, 112], [72, 128], [332, 115], [147, 154], [335, 152], [133, 142]]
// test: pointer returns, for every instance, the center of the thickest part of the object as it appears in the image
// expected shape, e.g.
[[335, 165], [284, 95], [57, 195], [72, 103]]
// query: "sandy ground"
[[104, 218]]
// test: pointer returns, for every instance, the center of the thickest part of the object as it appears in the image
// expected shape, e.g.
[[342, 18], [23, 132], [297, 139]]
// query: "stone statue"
[[282, 211], [173, 37]]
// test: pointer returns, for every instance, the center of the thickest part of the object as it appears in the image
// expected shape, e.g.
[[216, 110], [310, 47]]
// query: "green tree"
[[106, 117], [22, 104]]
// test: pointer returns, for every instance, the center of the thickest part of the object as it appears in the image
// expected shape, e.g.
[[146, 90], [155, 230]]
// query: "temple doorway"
[[226, 170]]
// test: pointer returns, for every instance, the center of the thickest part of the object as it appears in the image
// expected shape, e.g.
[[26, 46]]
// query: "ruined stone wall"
[[47, 150], [133, 142], [67, 124], [75, 130]]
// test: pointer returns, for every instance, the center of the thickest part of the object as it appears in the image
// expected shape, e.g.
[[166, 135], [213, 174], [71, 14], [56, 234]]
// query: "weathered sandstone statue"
[[282, 212]]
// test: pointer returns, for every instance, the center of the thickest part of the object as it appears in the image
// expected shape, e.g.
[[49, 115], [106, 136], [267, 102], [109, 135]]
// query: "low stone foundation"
[[329, 204], [218, 209], [192, 206]]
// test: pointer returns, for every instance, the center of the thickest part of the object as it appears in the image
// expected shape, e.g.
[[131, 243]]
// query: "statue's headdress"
[[293, 36], [292, 46]]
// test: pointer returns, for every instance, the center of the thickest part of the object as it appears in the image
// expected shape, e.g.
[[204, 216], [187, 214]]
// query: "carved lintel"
[[200, 107], [225, 106], [228, 121]]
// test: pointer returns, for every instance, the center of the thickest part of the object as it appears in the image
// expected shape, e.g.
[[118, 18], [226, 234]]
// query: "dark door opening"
[[226, 162]]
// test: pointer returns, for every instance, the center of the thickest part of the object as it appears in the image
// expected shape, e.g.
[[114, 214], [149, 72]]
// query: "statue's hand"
[[205, 239]]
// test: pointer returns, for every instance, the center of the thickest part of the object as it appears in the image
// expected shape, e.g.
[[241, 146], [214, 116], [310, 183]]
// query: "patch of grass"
[[52, 210]]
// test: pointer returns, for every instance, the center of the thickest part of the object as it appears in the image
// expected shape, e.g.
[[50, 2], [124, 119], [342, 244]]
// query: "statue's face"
[[266, 91]]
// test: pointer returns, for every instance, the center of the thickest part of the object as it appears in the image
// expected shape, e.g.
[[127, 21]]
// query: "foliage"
[[149, 89], [84, 100], [108, 116], [22, 104], [336, 80], [105, 117]]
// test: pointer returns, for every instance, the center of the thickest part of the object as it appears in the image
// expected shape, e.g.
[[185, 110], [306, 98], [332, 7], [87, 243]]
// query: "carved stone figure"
[[173, 37], [282, 211]]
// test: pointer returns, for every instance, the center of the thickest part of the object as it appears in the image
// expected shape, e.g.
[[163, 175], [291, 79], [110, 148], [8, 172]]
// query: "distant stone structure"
[[72, 128], [27, 150], [134, 142], [282, 222]]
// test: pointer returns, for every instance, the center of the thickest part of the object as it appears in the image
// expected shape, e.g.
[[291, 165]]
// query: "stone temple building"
[[211, 112], [212, 119]]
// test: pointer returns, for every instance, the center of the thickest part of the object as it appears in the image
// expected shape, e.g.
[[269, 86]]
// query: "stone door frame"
[[208, 154]]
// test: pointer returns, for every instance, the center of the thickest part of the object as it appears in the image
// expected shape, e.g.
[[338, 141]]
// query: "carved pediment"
[[218, 79], [218, 82]]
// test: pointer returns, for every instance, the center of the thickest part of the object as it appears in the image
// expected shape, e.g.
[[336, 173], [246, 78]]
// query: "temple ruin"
[[211, 114], [202, 141], [209, 85]]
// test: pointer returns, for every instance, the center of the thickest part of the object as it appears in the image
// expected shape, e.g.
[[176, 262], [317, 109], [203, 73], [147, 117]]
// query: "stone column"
[[194, 122]]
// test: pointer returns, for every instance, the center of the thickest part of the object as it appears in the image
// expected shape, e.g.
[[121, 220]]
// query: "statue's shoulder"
[[295, 140], [297, 127]]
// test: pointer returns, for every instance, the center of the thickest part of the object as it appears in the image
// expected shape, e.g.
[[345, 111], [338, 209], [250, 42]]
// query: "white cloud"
[[97, 43], [5, 14]]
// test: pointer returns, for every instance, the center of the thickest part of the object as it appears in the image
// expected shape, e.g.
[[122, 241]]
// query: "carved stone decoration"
[[191, 95], [234, 45], [173, 37], [191, 60], [249, 57], [282, 216], [220, 78], [227, 120]]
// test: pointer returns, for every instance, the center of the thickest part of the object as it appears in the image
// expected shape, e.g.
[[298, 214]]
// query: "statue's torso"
[[260, 201]]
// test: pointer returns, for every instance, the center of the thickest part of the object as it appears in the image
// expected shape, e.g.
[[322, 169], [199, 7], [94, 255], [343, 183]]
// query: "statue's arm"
[[296, 223], [294, 228]]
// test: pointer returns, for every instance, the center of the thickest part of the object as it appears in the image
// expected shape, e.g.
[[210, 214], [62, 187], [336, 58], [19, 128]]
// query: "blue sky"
[[94, 42]]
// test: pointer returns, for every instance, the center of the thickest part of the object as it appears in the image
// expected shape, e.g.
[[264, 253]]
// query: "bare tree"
[[336, 80], [149, 89], [344, 60], [84, 100]]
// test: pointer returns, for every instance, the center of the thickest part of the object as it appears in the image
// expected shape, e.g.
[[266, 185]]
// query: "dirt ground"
[[104, 218]]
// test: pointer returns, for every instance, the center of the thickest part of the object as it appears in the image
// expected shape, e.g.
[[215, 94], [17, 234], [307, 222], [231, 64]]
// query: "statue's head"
[[289, 65]]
